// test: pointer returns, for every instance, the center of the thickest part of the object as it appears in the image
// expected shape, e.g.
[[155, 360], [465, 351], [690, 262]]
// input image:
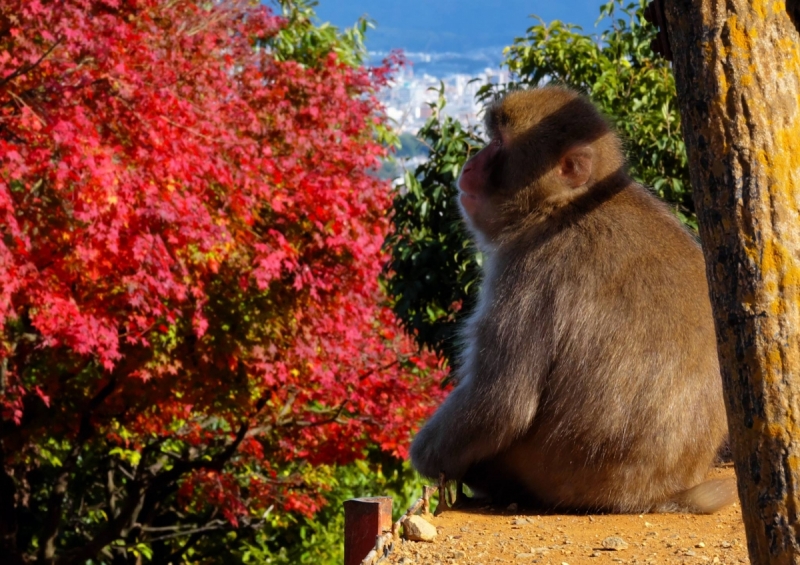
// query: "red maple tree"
[[190, 247]]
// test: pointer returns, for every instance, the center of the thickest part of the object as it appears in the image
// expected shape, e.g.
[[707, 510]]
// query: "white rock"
[[416, 528]]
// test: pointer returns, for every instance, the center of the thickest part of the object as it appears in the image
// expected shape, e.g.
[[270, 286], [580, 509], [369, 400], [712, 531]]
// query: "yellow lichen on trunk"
[[737, 68]]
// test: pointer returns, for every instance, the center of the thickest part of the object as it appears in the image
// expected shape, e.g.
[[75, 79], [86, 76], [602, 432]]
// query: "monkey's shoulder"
[[631, 222], [623, 240]]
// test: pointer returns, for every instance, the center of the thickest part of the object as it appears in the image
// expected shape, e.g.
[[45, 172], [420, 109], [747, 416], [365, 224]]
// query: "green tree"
[[433, 271]]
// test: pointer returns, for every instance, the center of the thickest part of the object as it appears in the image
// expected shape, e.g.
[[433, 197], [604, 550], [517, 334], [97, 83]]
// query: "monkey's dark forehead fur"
[[553, 110]]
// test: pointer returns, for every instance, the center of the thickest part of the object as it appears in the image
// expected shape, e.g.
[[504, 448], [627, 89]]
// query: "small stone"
[[539, 551], [701, 544], [725, 544], [614, 543], [595, 554], [513, 507], [648, 525], [416, 528], [690, 553], [716, 559], [520, 522]]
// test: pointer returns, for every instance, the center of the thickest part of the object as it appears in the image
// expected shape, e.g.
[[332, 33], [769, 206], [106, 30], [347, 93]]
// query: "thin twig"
[[22, 70], [216, 525]]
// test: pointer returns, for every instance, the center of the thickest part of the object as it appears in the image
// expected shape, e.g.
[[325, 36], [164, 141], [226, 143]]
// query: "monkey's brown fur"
[[589, 378]]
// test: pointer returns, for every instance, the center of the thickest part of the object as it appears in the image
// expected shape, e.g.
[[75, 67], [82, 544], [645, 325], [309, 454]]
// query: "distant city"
[[450, 40], [453, 41], [407, 101], [407, 104]]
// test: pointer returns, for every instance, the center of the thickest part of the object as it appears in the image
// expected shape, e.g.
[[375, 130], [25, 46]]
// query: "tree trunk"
[[737, 68]]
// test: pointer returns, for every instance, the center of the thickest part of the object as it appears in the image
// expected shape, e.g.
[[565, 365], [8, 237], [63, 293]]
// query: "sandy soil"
[[489, 536]]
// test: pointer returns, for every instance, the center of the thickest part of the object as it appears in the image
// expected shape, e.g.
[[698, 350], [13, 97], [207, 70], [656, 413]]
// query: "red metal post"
[[364, 520]]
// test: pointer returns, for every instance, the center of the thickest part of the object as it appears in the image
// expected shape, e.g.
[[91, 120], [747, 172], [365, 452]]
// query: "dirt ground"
[[483, 537]]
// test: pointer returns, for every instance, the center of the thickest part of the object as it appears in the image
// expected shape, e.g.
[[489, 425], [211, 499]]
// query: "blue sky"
[[453, 25]]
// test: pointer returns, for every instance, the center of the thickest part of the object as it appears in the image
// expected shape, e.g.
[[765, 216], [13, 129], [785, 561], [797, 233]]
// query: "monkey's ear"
[[575, 167]]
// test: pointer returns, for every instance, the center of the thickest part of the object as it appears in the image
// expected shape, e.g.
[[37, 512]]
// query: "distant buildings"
[[407, 100]]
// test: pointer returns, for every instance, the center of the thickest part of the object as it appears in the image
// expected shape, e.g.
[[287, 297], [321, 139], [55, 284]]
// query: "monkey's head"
[[549, 146]]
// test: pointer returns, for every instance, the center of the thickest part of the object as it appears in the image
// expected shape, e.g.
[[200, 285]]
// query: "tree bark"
[[737, 69]]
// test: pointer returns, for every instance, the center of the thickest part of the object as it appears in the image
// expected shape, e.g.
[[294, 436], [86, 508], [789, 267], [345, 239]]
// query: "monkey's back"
[[631, 409]]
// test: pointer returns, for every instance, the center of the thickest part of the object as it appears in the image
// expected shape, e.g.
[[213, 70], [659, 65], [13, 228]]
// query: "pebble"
[[521, 522], [614, 543], [416, 528]]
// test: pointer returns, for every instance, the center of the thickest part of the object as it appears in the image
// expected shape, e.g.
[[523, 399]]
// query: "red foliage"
[[190, 246]]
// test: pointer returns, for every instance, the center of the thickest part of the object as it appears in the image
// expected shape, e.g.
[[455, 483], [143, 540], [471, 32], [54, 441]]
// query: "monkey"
[[589, 377]]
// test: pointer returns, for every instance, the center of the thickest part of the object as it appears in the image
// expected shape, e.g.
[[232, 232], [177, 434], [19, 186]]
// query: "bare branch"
[[211, 526], [26, 69]]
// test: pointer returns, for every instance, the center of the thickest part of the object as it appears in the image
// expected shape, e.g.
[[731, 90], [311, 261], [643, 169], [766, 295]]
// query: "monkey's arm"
[[493, 405]]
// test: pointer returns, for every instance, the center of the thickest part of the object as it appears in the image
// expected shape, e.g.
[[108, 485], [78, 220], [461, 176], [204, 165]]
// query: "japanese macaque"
[[589, 378]]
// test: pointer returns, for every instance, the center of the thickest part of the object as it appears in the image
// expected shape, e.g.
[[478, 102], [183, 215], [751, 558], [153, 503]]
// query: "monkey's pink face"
[[474, 178]]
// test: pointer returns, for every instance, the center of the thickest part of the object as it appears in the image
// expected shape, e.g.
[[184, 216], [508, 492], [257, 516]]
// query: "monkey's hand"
[[432, 453]]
